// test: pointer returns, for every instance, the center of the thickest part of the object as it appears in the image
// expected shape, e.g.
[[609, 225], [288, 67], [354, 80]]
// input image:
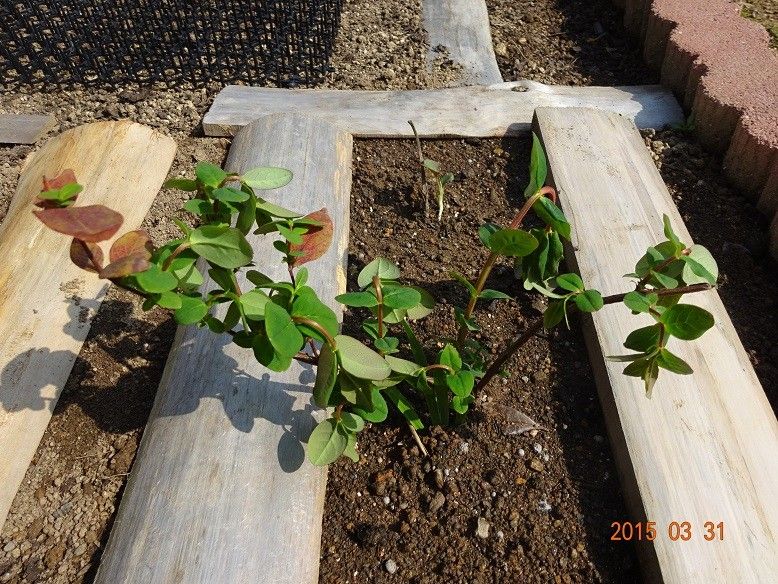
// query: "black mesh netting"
[[106, 43]]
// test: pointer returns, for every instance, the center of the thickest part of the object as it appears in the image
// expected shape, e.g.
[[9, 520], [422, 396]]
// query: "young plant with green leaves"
[[284, 320], [439, 178]]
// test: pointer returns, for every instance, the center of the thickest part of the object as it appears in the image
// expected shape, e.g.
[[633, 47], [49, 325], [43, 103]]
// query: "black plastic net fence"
[[197, 42]]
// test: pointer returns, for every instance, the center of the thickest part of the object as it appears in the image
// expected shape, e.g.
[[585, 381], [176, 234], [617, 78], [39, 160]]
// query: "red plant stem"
[[229, 178], [492, 259], [495, 367], [438, 366], [315, 325], [291, 274], [306, 358], [616, 298], [176, 252]]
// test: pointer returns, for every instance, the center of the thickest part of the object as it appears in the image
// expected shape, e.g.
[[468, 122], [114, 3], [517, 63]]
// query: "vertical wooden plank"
[[220, 490], [46, 302], [23, 128], [462, 27], [703, 448]]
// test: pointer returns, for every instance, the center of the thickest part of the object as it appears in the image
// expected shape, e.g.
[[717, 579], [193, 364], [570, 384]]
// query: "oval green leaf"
[[380, 410], [686, 321], [358, 299], [512, 242], [401, 297], [359, 360], [381, 267], [222, 245], [589, 301], [281, 331], [326, 374], [192, 310], [156, 281], [326, 444], [267, 177]]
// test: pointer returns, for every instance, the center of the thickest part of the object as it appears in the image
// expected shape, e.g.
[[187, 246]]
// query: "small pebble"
[[483, 528], [544, 506], [437, 502], [390, 566]]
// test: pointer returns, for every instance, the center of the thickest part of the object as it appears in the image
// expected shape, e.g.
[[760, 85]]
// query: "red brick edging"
[[722, 68]]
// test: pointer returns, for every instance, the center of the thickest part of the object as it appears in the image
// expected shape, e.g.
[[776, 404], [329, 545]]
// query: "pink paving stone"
[[722, 68]]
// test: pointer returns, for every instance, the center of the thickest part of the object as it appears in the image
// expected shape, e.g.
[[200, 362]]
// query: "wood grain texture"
[[46, 302], [220, 490], [23, 128], [462, 27], [503, 109], [703, 448]]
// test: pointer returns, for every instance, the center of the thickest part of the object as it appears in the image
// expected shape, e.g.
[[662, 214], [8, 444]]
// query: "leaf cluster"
[[282, 321]]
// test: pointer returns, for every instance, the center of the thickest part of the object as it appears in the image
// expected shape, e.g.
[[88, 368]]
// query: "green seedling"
[[432, 168], [285, 320]]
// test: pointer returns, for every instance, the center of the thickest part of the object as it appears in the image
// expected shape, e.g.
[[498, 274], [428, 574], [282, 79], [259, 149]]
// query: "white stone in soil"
[[482, 530], [390, 566]]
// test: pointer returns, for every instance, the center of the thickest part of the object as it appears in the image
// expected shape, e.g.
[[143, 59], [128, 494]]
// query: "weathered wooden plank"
[[220, 491], [703, 448], [462, 27], [504, 109], [23, 128], [46, 302]]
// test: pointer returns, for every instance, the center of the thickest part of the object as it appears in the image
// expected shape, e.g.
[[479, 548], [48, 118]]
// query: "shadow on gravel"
[[115, 387]]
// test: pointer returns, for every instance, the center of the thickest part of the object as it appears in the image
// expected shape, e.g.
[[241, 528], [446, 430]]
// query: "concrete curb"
[[723, 70]]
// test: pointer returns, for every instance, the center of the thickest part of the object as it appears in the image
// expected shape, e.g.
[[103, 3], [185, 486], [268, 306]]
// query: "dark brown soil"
[[726, 221], [549, 497], [566, 42]]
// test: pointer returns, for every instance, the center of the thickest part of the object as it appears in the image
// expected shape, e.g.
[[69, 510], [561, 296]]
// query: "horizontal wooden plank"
[[703, 448], [46, 301], [504, 109], [461, 27], [220, 490], [23, 128]]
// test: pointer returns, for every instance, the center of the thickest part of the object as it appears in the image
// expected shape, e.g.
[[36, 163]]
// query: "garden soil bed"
[[548, 496], [62, 515]]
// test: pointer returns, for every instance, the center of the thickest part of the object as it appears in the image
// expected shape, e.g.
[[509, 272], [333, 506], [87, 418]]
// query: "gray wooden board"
[[23, 128], [220, 490], [462, 28], [46, 302], [498, 110], [704, 447]]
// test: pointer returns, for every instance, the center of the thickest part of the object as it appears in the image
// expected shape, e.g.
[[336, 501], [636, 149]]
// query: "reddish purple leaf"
[[65, 177], [80, 256], [90, 223], [316, 241], [125, 266], [132, 243]]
